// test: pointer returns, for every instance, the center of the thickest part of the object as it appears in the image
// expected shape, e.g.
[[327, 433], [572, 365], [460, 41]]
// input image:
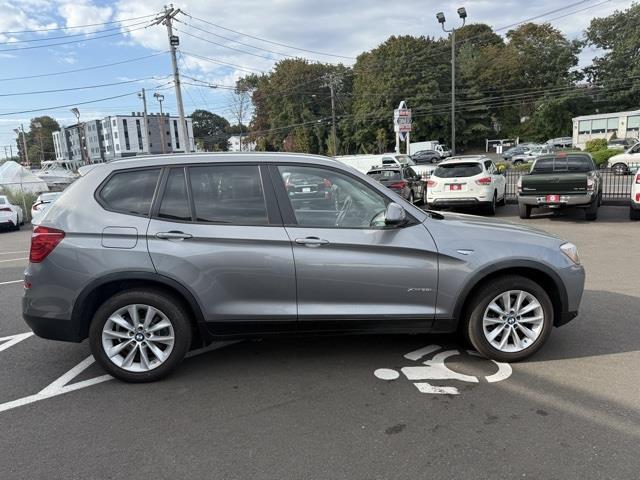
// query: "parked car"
[[626, 162], [561, 142], [467, 181], [179, 251], [402, 180], [426, 156], [623, 143], [443, 150], [533, 153], [634, 209], [41, 205], [11, 216], [559, 181], [305, 189], [519, 149]]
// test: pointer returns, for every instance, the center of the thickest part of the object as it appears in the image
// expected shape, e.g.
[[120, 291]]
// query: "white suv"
[[634, 212], [466, 181]]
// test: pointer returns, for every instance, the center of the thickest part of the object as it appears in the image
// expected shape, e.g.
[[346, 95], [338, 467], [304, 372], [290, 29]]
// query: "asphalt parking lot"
[[342, 408]]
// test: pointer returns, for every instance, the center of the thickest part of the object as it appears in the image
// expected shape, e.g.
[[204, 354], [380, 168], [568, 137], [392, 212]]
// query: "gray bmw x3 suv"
[[151, 257]]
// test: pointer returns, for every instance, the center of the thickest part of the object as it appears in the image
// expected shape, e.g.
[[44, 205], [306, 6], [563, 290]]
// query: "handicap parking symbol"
[[435, 369]]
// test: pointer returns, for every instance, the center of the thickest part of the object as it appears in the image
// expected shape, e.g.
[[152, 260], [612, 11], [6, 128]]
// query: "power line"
[[45, 39], [77, 26], [212, 60], [221, 45], [85, 87], [268, 41], [95, 67], [72, 41], [69, 105]]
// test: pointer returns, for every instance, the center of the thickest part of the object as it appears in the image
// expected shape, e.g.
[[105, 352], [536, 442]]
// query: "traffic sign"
[[174, 41]]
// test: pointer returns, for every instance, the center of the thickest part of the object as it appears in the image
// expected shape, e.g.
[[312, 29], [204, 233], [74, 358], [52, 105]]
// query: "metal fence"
[[616, 188]]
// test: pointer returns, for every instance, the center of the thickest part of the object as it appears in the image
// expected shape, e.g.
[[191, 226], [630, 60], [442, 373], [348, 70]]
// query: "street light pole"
[[24, 142], [76, 112], [462, 12], [143, 96], [160, 99]]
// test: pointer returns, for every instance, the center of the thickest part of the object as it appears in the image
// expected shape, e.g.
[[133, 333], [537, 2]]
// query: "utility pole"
[[160, 99], [76, 112], [166, 18], [24, 142], [462, 13], [331, 83], [143, 96], [38, 125]]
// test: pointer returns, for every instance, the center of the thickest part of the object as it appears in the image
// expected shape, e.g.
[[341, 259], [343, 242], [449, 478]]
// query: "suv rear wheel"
[[524, 211], [140, 335], [509, 319]]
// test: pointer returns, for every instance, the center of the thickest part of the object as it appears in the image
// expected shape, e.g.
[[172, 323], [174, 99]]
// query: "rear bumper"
[[457, 202], [581, 200], [53, 329]]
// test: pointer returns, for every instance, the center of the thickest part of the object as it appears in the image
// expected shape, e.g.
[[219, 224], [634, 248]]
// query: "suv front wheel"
[[140, 335], [509, 319]]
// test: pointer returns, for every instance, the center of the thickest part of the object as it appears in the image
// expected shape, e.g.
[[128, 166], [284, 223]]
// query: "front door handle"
[[173, 235], [312, 241]]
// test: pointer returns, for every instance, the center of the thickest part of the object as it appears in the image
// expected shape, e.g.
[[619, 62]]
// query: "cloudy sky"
[[65, 39]]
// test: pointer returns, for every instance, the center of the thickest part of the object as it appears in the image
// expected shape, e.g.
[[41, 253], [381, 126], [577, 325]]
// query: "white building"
[[234, 144], [121, 136], [605, 125]]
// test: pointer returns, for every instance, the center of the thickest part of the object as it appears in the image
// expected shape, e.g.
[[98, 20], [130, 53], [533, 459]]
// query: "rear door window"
[[228, 194], [130, 191], [175, 201], [458, 170], [386, 174]]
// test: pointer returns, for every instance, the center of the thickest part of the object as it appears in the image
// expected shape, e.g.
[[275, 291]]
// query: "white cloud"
[[83, 12]]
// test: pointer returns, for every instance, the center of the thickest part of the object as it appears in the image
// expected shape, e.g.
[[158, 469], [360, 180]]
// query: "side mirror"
[[394, 215]]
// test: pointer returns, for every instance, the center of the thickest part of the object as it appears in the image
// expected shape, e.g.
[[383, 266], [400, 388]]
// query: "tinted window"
[[386, 174], [3, 200], [342, 202], [458, 170], [130, 192], [228, 194], [563, 164], [175, 203]]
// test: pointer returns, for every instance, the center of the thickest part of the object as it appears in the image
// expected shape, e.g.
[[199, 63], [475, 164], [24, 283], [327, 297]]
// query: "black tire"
[[524, 211], [17, 226], [619, 169], [591, 212], [167, 304], [411, 197], [634, 214], [491, 208], [517, 162], [478, 304]]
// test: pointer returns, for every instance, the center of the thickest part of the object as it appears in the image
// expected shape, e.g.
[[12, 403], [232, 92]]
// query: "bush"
[[596, 145], [601, 157]]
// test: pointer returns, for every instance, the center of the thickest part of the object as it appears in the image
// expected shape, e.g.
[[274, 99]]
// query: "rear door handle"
[[312, 241], [173, 235]]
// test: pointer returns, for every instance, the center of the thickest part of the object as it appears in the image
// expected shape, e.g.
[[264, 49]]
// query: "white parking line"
[[61, 384], [14, 259], [11, 282], [11, 253]]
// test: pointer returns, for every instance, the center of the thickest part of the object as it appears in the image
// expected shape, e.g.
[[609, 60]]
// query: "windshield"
[[578, 164], [457, 170]]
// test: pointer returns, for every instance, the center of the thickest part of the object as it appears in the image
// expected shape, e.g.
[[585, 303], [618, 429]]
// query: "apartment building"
[[120, 136]]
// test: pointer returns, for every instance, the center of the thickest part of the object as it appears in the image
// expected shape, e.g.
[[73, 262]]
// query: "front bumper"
[[581, 200], [572, 279]]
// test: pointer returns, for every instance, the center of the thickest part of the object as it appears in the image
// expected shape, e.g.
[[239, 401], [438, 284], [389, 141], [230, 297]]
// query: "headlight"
[[571, 251]]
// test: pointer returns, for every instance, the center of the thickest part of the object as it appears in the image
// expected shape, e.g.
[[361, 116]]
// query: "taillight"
[[590, 184], [43, 241], [401, 184], [484, 181], [519, 185], [431, 183], [638, 178], [5, 209]]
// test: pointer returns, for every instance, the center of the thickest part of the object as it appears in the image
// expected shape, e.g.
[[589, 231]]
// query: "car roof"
[[217, 157], [465, 159]]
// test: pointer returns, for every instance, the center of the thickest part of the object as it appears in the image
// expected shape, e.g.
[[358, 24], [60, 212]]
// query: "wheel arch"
[[98, 291], [539, 273]]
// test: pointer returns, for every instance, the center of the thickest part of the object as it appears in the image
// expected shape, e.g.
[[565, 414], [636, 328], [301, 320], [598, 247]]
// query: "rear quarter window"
[[130, 191]]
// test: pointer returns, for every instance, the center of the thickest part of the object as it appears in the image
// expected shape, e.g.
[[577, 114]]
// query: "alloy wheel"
[[513, 321], [138, 338]]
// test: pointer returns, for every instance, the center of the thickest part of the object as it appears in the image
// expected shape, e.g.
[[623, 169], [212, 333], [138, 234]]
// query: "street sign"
[[402, 120], [174, 41]]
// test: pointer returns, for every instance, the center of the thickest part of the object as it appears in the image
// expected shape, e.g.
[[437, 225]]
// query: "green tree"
[[39, 140], [617, 69], [210, 130]]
